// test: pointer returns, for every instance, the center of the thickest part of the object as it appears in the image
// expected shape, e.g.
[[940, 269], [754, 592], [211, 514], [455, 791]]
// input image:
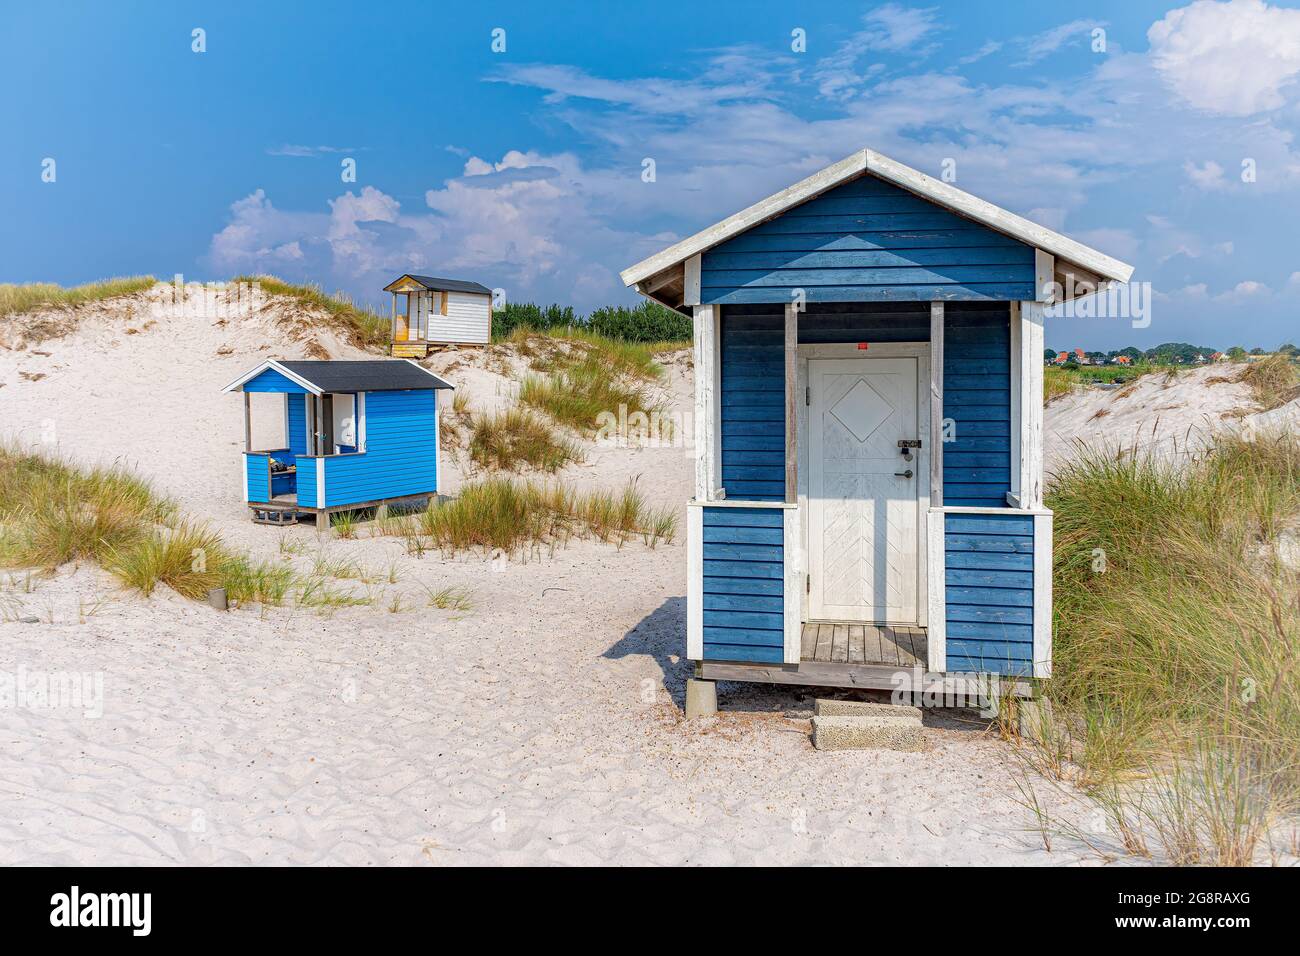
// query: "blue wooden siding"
[[255, 476], [977, 397], [989, 593], [753, 379], [744, 588], [400, 457], [273, 381], [307, 481], [752, 406], [867, 241], [297, 437]]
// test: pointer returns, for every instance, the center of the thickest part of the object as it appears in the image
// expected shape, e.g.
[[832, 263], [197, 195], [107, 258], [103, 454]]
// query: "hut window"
[[344, 422]]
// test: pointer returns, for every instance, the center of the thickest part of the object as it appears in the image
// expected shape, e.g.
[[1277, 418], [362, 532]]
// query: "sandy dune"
[[542, 726]]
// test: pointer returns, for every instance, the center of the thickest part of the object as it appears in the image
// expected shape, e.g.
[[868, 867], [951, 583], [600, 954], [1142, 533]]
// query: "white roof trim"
[[445, 383], [266, 366], [869, 161]]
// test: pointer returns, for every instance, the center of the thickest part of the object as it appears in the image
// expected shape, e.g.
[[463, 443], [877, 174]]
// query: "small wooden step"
[[415, 350]]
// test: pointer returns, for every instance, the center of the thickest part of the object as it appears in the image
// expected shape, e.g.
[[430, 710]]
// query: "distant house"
[[1218, 357], [1081, 356], [1062, 358], [438, 312], [1123, 360]]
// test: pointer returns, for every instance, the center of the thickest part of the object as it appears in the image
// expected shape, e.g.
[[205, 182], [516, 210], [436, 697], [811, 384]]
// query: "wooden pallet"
[[275, 516]]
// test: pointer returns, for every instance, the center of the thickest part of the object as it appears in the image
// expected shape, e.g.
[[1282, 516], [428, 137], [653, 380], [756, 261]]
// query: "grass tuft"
[[1273, 381], [30, 296], [516, 438], [503, 516], [366, 327], [1175, 669]]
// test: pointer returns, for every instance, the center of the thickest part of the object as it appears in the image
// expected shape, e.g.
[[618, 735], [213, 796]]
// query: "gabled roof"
[[1086, 261], [434, 284], [319, 377]]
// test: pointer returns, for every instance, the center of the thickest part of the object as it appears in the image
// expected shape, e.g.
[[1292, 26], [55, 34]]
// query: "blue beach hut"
[[356, 434], [868, 429]]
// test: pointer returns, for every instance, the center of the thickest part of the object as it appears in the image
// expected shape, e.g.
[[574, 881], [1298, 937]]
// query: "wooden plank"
[[791, 403], [840, 643], [888, 646], [921, 645], [1030, 457], [691, 287], [1042, 615], [862, 676], [873, 645], [793, 593], [694, 583], [907, 655], [706, 402], [936, 404], [808, 644], [823, 643], [857, 644]]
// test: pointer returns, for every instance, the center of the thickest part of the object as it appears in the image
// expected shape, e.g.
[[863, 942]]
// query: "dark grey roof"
[[381, 375], [450, 285]]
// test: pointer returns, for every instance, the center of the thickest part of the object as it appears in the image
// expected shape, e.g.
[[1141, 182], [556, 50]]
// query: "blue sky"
[[522, 169]]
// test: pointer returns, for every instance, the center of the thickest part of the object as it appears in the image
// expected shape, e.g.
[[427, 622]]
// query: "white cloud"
[[988, 49], [1247, 289], [290, 149], [889, 29], [1044, 44], [530, 223], [1208, 176], [1235, 59]]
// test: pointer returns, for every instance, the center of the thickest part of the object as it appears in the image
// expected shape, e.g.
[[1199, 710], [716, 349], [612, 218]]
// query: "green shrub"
[[514, 315], [645, 322]]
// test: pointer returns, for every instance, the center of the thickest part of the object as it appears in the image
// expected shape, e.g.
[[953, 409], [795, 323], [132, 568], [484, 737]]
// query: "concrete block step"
[[866, 733], [856, 708]]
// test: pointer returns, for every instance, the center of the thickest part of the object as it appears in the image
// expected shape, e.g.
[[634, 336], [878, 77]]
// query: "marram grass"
[[1176, 662]]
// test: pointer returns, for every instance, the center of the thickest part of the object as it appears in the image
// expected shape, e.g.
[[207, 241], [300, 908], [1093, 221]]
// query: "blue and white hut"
[[355, 435], [869, 430]]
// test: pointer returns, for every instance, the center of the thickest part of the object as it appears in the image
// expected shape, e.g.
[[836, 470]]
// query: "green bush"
[[515, 315], [646, 322]]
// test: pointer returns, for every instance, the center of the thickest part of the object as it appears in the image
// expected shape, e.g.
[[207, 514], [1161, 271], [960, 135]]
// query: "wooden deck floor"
[[864, 644]]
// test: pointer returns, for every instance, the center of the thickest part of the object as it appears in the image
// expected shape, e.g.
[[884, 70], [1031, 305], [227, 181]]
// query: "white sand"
[[542, 726], [1168, 416]]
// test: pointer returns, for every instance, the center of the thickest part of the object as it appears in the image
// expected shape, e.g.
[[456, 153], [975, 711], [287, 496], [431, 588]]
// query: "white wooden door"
[[862, 514]]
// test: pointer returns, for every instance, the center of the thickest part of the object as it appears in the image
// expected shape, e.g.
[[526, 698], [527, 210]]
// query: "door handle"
[[903, 474]]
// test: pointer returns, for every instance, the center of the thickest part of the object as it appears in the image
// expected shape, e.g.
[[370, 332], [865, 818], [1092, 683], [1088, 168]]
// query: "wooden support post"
[[1030, 373], [936, 404], [319, 443], [322, 522], [707, 440], [791, 402]]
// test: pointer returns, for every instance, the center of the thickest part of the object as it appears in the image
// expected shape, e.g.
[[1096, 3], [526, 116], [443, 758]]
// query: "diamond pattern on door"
[[862, 410]]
